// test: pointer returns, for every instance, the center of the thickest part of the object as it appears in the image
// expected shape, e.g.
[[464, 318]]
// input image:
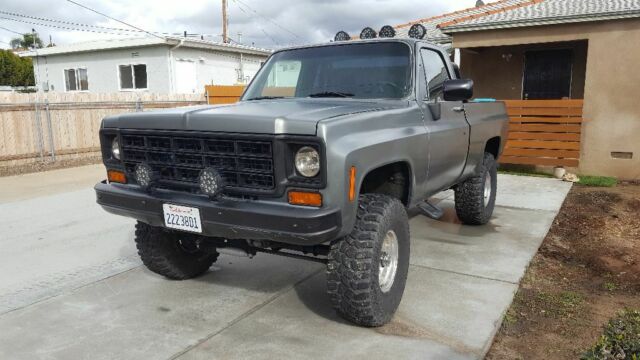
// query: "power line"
[[61, 27], [266, 18], [65, 22], [114, 19], [9, 30], [259, 27]]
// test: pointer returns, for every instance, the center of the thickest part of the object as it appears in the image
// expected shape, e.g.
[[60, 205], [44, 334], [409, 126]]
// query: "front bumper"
[[226, 218]]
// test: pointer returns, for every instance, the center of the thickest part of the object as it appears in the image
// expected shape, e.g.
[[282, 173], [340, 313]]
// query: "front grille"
[[177, 159]]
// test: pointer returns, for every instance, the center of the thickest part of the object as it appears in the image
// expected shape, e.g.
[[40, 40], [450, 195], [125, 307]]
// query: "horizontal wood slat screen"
[[223, 94], [543, 132]]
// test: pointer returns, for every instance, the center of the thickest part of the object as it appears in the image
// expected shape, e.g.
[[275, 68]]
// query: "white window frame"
[[133, 77], [64, 79]]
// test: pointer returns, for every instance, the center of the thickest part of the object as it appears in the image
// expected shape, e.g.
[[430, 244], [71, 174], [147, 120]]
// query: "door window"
[[436, 73]]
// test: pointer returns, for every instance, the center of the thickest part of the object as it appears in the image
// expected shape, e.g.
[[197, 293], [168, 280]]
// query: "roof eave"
[[548, 21]]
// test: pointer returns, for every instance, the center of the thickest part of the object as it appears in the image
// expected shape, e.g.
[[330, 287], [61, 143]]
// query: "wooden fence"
[[40, 127], [543, 132], [219, 94]]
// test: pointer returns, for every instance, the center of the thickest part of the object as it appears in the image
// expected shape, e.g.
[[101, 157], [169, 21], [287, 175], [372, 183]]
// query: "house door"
[[547, 74], [186, 81]]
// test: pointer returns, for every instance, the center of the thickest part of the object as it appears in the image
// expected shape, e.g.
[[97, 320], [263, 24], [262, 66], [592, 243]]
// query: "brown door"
[[547, 74]]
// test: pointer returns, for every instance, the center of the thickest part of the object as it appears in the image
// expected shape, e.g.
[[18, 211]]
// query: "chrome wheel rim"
[[487, 189], [388, 261]]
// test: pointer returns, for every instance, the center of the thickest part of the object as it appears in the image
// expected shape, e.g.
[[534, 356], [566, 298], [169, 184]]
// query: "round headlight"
[[115, 148], [307, 161]]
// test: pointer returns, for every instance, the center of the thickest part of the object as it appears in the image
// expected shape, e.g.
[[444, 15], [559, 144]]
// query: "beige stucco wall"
[[611, 92]]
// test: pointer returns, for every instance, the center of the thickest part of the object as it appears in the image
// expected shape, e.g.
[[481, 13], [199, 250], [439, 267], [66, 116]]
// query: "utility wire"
[[266, 18], [65, 22], [62, 27], [9, 30], [86, 25], [114, 19], [259, 27]]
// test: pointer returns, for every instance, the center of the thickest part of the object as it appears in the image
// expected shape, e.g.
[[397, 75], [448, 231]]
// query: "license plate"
[[182, 218]]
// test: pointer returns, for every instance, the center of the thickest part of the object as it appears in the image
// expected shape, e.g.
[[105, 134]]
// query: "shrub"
[[621, 339]]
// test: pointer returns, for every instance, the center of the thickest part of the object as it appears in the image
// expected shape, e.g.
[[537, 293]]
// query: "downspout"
[[172, 79]]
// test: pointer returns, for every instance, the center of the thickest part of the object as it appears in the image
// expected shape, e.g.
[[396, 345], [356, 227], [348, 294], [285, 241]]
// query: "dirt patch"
[[46, 166], [587, 270]]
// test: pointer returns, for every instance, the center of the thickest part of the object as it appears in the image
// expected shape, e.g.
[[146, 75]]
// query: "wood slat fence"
[[219, 94], [41, 127], [543, 132]]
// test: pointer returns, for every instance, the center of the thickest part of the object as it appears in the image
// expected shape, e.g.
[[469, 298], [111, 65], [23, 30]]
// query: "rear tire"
[[367, 269], [171, 254], [475, 198]]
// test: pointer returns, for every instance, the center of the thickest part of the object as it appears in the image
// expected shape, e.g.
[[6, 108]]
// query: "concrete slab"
[[500, 250], [139, 315], [442, 316], [57, 243], [530, 192], [29, 186], [69, 259]]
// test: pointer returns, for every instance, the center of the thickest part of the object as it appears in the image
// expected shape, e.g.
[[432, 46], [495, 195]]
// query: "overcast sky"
[[270, 23]]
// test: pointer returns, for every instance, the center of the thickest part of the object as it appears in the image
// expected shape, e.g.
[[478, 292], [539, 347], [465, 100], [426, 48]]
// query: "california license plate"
[[182, 218]]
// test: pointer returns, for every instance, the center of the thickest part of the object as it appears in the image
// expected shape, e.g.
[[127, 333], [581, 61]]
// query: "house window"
[[76, 79], [133, 77]]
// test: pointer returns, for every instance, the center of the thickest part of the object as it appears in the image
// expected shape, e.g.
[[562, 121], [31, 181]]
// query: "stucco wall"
[[611, 111], [215, 68], [102, 68]]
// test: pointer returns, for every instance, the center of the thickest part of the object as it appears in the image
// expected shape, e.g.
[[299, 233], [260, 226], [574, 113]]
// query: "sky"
[[268, 24]]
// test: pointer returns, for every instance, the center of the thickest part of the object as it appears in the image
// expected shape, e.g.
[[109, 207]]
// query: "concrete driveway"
[[72, 286]]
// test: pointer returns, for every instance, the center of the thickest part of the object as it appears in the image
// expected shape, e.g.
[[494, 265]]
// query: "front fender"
[[369, 141]]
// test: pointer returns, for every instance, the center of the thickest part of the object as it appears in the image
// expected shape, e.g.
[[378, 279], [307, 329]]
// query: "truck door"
[[446, 124]]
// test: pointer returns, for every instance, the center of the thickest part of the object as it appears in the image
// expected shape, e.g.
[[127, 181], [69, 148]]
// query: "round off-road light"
[[368, 33], [143, 175], [115, 148], [307, 161], [342, 36], [210, 182]]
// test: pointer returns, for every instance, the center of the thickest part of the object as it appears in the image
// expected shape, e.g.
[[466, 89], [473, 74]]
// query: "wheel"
[[475, 198], [367, 269], [171, 254]]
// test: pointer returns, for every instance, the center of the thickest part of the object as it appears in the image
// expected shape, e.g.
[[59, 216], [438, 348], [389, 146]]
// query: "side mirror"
[[458, 90]]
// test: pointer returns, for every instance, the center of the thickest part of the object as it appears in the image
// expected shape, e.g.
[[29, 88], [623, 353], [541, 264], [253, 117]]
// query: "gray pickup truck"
[[327, 149]]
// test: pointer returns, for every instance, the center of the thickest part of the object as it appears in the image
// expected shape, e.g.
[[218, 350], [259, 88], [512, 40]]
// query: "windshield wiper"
[[265, 98], [331, 94]]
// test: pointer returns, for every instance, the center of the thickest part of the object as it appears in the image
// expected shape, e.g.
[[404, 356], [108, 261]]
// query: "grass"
[[621, 339], [598, 181]]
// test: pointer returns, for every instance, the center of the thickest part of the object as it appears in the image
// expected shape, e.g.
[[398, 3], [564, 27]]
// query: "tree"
[[27, 41], [14, 70]]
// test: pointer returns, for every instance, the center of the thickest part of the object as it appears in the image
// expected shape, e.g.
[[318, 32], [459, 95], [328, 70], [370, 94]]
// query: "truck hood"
[[281, 116]]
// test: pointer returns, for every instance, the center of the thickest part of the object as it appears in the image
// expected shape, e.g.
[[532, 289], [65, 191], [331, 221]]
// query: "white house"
[[165, 65]]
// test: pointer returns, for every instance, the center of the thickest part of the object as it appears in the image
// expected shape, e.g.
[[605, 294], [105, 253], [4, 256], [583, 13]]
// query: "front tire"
[[475, 198], [171, 254], [367, 269]]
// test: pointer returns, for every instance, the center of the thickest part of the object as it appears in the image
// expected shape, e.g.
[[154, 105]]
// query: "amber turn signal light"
[[352, 183], [116, 176], [305, 198]]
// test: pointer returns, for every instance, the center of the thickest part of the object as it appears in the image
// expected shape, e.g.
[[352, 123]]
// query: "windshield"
[[380, 70]]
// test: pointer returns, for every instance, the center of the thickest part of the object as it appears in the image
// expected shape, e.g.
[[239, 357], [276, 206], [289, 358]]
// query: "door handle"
[[458, 109]]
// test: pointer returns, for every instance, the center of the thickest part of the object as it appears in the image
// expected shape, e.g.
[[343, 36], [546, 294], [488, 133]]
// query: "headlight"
[[307, 161], [115, 148]]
